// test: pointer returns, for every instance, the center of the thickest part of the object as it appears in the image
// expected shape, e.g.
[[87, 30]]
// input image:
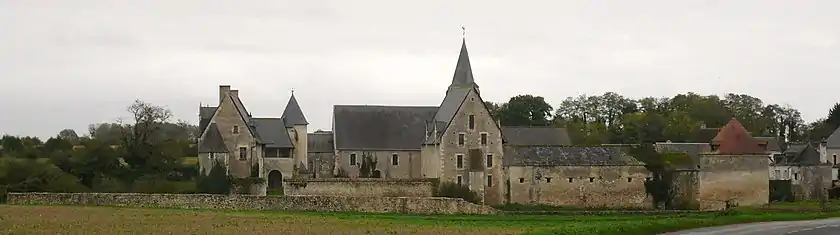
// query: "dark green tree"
[[525, 110]]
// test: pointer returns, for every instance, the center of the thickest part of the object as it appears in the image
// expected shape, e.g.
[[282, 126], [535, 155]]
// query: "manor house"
[[457, 141]]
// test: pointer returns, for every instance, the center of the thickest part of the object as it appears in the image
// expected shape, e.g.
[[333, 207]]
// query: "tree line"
[[144, 154], [613, 118]]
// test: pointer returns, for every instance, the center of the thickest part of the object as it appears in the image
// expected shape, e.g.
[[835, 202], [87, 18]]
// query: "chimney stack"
[[234, 93], [223, 91]]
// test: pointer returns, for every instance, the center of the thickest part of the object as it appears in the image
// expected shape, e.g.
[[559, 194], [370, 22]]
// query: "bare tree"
[[142, 140]]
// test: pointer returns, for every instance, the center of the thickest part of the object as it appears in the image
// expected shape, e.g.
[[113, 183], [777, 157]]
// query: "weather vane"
[[293, 91], [463, 31]]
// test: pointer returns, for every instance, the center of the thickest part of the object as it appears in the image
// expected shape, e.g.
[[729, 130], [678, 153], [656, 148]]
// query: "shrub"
[[453, 190], [215, 182], [108, 185], [27, 175]]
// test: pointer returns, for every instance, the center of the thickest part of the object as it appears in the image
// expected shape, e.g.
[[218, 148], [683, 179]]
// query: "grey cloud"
[[72, 64]]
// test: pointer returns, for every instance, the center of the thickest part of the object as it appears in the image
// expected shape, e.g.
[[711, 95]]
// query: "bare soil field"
[[110, 220]]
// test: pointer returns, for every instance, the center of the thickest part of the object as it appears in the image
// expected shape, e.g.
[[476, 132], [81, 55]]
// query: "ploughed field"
[[113, 220]]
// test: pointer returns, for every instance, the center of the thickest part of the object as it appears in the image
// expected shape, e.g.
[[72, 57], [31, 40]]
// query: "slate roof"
[[799, 154], [536, 136], [773, 143], [320, 142], [359, 127], [463, 76], [293, 114], [273, 132], [734, 139], [447, 110], [204, 116], [212, 142], [833, 141], [568, 156]]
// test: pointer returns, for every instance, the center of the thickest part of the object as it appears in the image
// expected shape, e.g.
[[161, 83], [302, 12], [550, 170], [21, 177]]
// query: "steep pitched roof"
[[360, 127], [800, 154], [292, 114], [320, 142], [212, 142], [833, 141], [273, 132], [568, 156], [463, 76], [734, 139], [536, 136]]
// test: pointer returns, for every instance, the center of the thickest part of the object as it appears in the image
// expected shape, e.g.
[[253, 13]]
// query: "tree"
[[216, 181], [142, 143], [68, 134], [525, 110]]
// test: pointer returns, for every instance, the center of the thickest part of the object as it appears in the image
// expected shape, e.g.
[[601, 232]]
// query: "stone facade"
[[414, 205], [580, 186], [406, 166], [742, 179], [484, 176], [575, 177], [359, 187]]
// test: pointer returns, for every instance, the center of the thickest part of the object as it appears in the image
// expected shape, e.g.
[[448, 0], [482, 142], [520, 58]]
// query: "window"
[[835, 159], [472, 122], [395, 160], [629, 180], [236, 129], [521, 180], [796, 176], [212, 155], [352, 159], [548, 179], [647, 178], [483, 138], [459, 179], [461, 139], [243, 153], [591, 179], [489, 160], [489, 180], [459, 161], [571, 179]]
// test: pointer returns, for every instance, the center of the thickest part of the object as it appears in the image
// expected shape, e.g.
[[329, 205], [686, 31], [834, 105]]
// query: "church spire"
[[463, 76]]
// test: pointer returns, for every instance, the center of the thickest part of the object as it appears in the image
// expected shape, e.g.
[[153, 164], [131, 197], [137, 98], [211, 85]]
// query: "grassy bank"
[[111, 220]]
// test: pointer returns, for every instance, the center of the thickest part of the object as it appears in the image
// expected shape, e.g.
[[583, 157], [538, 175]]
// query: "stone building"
[[735, 170], [801, 167], [457, 141], [594, 177], [249, 146], [829, 151]]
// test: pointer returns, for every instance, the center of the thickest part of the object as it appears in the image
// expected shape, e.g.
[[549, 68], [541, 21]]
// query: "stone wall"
[[359, 187], [742, 179], [686, 188], [580, 186], [811, 182], [416, 205]]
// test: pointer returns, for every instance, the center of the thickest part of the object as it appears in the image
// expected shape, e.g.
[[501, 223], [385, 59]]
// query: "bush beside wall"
[[414, 205]]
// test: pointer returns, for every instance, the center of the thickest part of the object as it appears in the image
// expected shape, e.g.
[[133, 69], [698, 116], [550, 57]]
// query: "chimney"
[[223, 91], [234, 93]]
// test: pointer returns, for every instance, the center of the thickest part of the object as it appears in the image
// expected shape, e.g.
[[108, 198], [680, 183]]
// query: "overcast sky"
[[66, 64]]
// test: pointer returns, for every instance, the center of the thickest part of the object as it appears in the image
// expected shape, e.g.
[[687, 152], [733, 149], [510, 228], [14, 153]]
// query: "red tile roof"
[[735, 139]]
